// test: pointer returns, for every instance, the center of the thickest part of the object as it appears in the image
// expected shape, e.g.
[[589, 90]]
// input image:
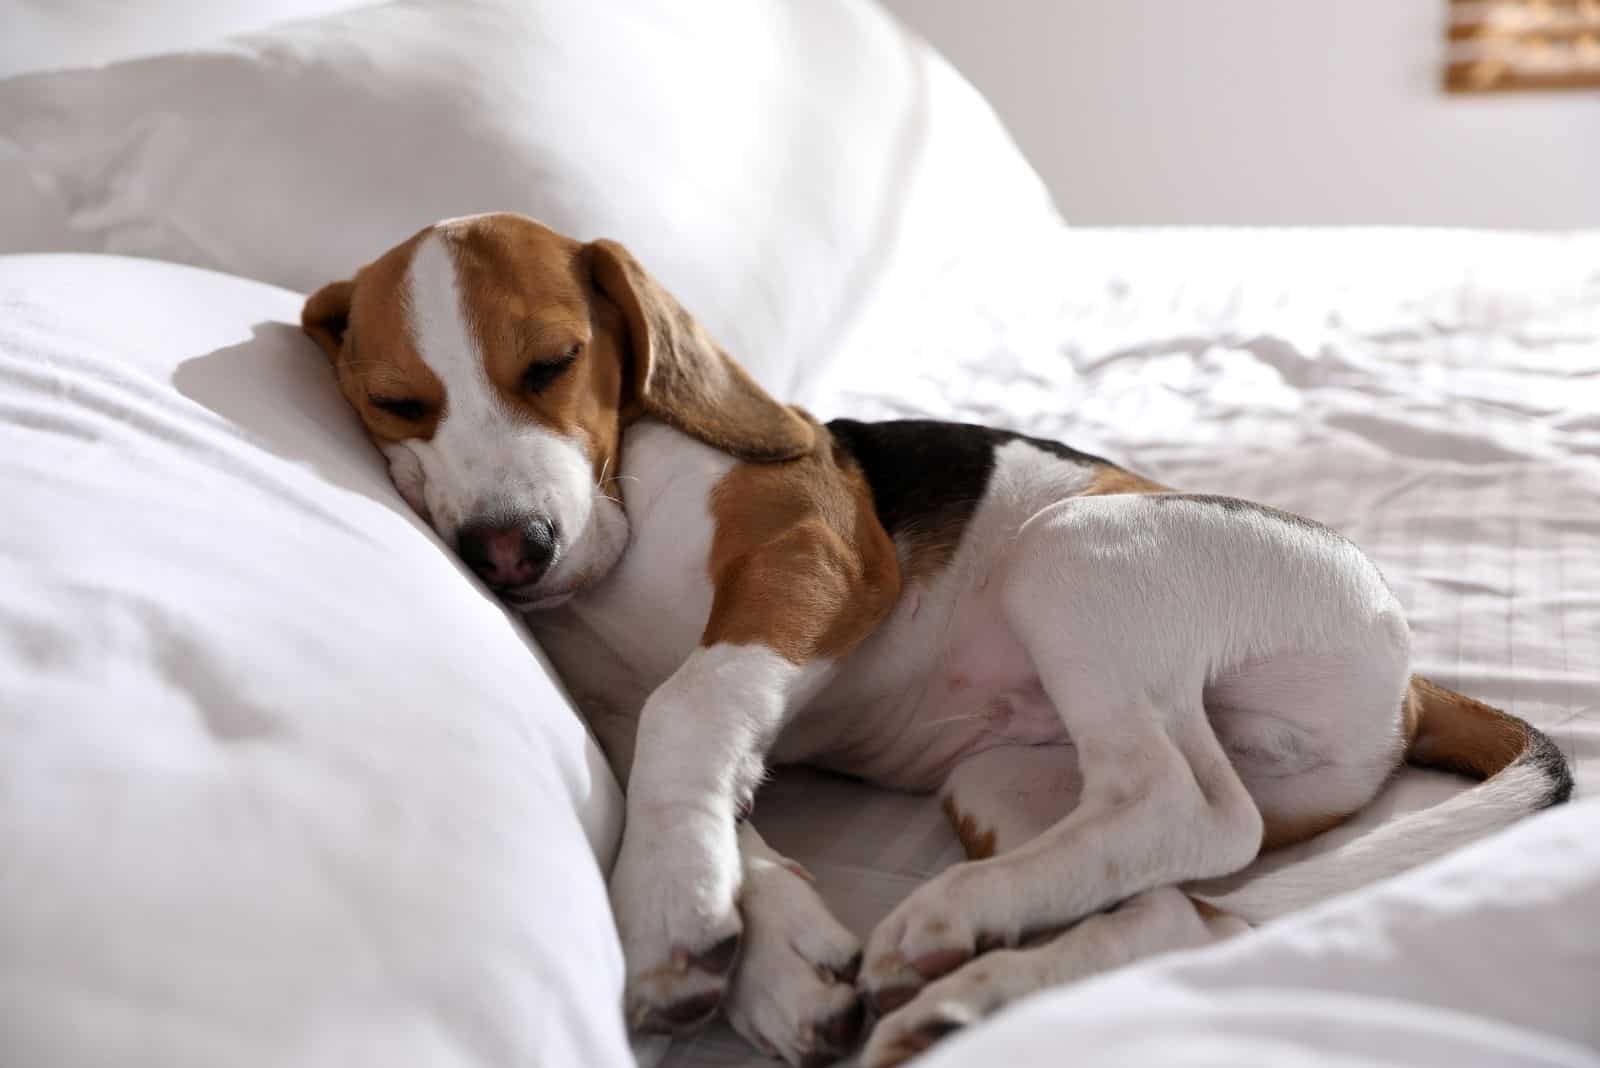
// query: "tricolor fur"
[[1117, 689]]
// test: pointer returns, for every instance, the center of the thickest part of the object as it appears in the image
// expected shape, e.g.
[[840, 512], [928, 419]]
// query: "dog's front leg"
[[793, 993], [796, 587], [702, 739]]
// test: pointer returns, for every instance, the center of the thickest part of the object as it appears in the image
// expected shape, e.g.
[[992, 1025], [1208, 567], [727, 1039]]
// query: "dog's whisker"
[[961, 718]]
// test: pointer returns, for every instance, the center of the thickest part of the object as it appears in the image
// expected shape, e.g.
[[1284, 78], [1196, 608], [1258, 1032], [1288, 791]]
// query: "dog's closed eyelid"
[[408, 408], [541, 373]]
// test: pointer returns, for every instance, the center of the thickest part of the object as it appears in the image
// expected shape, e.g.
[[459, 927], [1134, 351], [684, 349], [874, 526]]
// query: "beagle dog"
[[1118, 690]]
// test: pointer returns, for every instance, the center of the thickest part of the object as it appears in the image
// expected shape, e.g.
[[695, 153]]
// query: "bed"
[[282, 785]]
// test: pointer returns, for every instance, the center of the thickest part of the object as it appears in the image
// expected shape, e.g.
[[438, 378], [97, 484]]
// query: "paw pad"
[[681, 1016], [718, 960]]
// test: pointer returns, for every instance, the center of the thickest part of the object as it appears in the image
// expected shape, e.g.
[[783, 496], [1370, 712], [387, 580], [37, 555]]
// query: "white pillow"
[[51, 34], [280, 784], [780, 164]]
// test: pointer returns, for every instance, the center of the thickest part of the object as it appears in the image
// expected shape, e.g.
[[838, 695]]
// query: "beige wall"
[[1265, 111]]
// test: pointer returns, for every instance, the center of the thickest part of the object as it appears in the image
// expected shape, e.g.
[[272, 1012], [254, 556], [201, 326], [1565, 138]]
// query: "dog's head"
[[495, 363]]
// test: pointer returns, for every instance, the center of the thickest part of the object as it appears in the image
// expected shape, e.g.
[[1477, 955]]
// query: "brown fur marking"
[[1109, 479], [799, 561], [361, 325], [682, 377], [1207, 911], [527, 296], [1444, 730], [1459, 734], [1280, 831], [929, 549], [978, 845]]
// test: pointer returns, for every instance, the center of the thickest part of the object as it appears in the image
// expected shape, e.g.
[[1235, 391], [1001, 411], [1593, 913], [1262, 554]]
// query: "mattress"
[[1435, 395]]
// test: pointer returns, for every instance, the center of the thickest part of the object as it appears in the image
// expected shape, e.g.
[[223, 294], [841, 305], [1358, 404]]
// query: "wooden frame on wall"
[[1497, 45]]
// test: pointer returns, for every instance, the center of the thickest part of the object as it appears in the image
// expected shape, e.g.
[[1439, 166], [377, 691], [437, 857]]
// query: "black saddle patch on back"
[[928, 476]]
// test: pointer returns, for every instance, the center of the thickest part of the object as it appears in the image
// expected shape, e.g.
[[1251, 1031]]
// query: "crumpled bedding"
[[1435, 395], [1488, 957], [279, 784]]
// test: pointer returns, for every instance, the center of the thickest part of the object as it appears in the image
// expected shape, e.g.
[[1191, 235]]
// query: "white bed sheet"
[[1433, 394], [1490, 957]]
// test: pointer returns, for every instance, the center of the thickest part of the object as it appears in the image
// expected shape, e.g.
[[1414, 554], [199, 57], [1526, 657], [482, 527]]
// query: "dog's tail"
[[1521, 770]]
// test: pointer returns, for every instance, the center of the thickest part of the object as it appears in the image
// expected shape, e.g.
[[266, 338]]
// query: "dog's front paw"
[[793, 995], [674, 891], [929, 934]]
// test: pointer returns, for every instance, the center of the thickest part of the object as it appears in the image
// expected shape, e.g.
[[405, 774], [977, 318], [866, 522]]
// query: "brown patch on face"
[[799, 562], [361, 325], [1109, 479], [1455, 733], [977, 844], [1281, 830], [552, 347]]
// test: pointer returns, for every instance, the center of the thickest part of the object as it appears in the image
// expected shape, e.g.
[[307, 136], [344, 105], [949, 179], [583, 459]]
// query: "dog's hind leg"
[[1156, 921], [1001, 798], [1160, 803]]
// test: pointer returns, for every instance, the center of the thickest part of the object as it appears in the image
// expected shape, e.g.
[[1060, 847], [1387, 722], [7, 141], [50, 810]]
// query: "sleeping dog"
[[1117, 690]]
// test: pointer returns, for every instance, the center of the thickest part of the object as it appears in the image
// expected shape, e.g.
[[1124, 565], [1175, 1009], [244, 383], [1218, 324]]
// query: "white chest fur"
[[620, 639]]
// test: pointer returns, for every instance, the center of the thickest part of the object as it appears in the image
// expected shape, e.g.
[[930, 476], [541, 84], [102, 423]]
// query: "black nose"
[[508, 555]]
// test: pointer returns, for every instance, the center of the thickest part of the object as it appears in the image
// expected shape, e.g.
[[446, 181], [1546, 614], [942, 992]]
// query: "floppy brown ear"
[[681, 377], [327, 314]]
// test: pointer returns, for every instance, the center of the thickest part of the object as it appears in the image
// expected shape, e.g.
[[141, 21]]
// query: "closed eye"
[[539, 375], [408, 408]]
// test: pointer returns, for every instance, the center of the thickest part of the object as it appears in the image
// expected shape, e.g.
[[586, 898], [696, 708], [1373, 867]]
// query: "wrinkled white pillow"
[[51, 34], [279, 784], [780, 164]]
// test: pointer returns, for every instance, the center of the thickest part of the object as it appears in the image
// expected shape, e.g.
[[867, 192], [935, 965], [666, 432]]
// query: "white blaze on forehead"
[[442, 336]]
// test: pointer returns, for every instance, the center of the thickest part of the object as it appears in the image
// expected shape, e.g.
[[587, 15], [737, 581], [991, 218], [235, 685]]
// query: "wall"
[[1265, 111]]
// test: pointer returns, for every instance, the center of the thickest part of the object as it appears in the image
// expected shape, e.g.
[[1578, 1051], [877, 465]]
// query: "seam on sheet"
[[1515, 508]]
